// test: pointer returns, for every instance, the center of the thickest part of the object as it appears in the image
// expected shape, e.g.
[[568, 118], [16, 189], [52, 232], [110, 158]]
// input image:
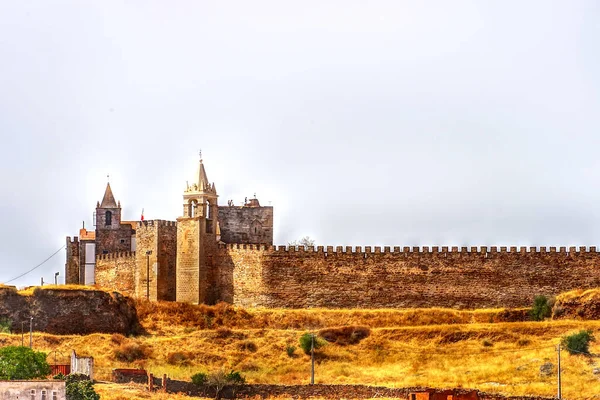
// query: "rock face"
[[66, 311], [577, 304]]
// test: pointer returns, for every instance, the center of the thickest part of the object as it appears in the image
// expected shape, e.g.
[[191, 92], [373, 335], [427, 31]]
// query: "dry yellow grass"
[[583, 295], [30, 290], [404, 348], [167, 318], [132, 391]]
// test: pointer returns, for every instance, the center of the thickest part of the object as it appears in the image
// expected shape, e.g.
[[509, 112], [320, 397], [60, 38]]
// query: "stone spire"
[[202, 179], [201, 184], [108, 201]]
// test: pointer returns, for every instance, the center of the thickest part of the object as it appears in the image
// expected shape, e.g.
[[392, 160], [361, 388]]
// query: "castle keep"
[[217, 253]]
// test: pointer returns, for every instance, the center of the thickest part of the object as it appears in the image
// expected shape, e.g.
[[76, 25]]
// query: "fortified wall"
[[346, 277]]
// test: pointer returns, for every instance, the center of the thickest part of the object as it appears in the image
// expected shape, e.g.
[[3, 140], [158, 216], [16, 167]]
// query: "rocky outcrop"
[[70, 311], [577, 304]]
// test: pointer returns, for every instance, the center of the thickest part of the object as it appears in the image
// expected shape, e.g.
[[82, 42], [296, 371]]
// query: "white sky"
[[364, 123]]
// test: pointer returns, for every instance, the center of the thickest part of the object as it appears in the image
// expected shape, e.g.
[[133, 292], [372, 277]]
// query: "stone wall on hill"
[[477, 277]]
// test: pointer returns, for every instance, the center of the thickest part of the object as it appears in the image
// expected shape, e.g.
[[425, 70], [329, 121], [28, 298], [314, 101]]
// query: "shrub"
[[290, 350], [247, 346], [117, 338], [81, 390], [60, 377], [179, 358], [18, 362], [306, 342], [200, 378], [345, 335], [5, 325], [223, 333], [578, 343], [219, 379], [129, 352], [542, 308]]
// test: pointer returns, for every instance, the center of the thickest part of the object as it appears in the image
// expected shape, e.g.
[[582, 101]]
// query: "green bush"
[[290, 350], [200, 378], [60, 377], [542, 308], [5, 325], [18, 362], [306, 342], [578, 343], [234, 378], [81, 390]]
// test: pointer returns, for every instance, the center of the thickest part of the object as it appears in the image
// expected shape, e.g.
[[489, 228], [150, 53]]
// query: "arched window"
[[108, 218], [208, 210], [192, 208]]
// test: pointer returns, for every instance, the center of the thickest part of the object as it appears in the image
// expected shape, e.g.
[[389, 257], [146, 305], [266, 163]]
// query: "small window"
[[54, 395], [104, 251], [32, 393], [44, 395], [108, 219], [122, 240]]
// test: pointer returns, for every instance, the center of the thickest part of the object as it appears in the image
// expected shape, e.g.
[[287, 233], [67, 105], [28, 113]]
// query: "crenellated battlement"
[[75, 239], [473, 251], [116, 255], [151, 224]]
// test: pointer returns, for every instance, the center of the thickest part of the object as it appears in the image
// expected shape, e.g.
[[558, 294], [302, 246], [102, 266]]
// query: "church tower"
[[110, 236], [197, 239]]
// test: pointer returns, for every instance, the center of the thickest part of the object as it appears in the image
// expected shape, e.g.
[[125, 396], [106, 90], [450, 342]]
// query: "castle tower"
[[110, 234], [197, 240]]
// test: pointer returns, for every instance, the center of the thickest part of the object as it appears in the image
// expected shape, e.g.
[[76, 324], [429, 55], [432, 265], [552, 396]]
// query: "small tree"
[[18, 362], [199, 379], [578, 343], [305, 242], [306, 342], [220, 379], [542, 308]]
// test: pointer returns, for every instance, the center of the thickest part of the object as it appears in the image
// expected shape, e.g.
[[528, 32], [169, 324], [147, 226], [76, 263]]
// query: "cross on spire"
[[200, 154], [108, 177]]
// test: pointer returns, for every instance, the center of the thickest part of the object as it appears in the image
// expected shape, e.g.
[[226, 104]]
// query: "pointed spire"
[[108, 201], [202, 179]]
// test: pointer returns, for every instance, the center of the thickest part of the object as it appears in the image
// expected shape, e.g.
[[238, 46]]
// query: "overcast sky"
[[361, 122]]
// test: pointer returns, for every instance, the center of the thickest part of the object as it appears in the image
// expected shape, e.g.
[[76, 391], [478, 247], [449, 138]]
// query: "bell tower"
[[197, 231]]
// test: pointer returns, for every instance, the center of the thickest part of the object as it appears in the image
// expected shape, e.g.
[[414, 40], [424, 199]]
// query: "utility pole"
[[56, 278], [312, 358], [31, 333], [148, 274], [42, 283], [559, 383]]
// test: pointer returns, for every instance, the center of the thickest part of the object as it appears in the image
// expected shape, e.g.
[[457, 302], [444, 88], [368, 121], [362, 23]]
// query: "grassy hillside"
[[428, 347]]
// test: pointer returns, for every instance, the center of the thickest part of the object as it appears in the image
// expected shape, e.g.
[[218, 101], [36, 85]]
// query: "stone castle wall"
[[267, 276], [246, 224], [117, 271], [159, 238], [72, 265]]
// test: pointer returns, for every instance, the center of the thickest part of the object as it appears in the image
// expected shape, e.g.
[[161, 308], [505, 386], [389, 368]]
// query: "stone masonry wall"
[[189, 253], [160, 239], [266, 276], [246, 225], [73, 262], [116, 271]]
